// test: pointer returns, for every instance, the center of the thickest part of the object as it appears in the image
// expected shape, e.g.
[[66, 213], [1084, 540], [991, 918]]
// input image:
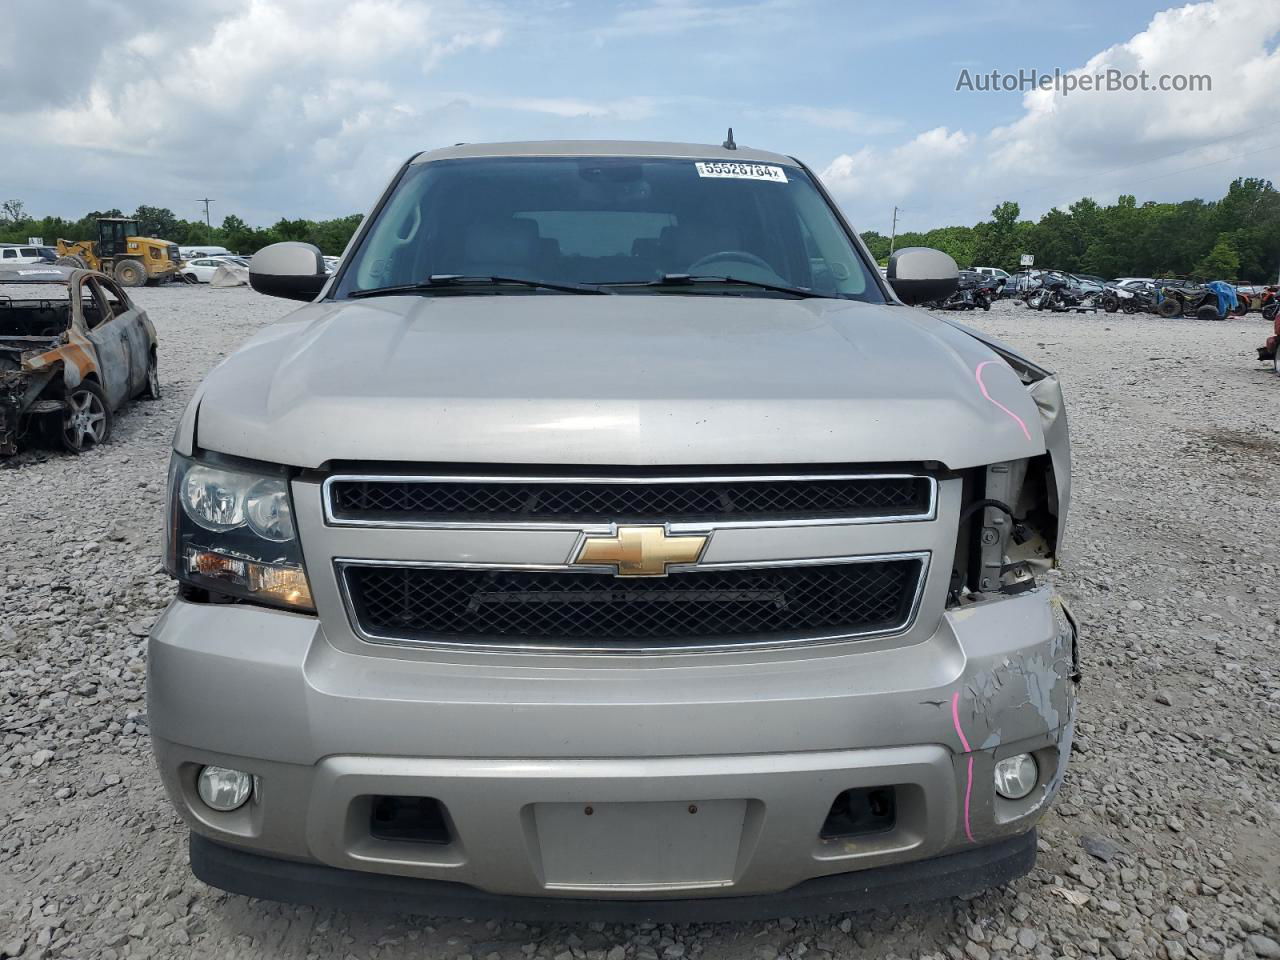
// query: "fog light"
[[223, 789], [1016, 776]]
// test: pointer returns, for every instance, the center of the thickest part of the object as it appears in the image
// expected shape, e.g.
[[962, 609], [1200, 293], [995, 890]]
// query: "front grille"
[[410, 500], [549, 608]]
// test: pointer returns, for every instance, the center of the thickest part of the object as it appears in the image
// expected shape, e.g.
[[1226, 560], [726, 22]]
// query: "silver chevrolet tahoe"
[[607, 539]]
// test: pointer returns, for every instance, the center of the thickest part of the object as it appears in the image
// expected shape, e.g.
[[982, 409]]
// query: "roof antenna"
[[729, 144]]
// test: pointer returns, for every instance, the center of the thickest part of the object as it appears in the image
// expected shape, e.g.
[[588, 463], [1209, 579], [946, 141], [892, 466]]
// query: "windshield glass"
[[605, 220]]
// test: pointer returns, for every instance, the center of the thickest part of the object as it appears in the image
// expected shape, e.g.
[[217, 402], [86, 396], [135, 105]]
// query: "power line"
[[208, 237]]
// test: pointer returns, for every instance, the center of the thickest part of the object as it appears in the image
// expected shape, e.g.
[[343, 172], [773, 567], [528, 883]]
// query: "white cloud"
[[263, 90], [627, 108], [927, 163], [1100, 143]]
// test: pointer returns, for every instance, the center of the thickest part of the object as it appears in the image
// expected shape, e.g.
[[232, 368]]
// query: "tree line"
[[1234, 238], [330, 236]]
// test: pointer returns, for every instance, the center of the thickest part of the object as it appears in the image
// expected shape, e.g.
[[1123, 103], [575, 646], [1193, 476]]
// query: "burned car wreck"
[[73, 350]]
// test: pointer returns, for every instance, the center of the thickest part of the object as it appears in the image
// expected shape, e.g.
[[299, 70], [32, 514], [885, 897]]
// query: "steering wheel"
[[733, 256]]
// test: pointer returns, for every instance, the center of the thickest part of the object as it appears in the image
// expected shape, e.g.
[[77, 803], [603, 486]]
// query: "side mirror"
[[290, 269], [921, 274]]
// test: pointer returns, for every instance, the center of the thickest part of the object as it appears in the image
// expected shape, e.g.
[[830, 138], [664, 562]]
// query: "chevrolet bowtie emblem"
[[640, 551]]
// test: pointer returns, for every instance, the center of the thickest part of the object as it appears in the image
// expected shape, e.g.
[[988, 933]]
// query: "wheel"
[[1111, 304], [1169, 307], [1243, 306], [73, 260], [86, 421], [130, 273], [1207, 312], [152, 390]]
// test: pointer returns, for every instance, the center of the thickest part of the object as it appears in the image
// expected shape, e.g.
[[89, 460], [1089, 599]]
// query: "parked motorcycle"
[[1116, 298], [1068, 292], [974, 291]]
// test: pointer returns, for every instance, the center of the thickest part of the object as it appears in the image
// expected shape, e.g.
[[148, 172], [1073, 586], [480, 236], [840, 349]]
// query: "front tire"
[[73, 260], [130, 273], [1208, 312], [152, 390], [1169, 308], [86, 421]]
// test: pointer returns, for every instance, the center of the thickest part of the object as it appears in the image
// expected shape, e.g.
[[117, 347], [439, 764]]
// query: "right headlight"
[[230, 530]]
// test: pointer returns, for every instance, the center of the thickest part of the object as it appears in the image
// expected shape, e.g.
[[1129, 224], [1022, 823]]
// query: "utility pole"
[[208, 237], [893, 231]]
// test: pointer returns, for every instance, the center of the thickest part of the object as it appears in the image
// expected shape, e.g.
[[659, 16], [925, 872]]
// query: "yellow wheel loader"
[[119, 252]]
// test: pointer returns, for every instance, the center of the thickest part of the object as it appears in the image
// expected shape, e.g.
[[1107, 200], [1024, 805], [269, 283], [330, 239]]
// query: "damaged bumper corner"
[[19, 393]]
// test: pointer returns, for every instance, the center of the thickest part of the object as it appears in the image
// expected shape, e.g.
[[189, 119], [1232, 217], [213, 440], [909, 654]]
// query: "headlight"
[[231, 531]]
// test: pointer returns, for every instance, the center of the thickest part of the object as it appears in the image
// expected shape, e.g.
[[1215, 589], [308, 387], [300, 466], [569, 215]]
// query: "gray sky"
[[303, 108]]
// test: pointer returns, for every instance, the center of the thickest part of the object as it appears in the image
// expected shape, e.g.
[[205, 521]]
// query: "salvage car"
[[607, 539], [73, 349]]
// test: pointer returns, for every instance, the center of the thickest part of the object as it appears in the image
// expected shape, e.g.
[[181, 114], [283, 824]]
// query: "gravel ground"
[[1163, 844]]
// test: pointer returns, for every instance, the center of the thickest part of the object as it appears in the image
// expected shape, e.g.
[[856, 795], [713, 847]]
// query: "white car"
[[13, 253], [992, 272], [191, 253], [203, 268]]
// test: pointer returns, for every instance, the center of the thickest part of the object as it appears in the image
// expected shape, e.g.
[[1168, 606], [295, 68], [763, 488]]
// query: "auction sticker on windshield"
[[741, 171]]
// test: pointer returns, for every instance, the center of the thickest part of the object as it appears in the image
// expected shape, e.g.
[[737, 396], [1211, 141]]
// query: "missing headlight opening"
[[1008, 529]]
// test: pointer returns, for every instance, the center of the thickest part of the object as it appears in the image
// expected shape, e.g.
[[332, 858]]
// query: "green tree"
[[1220, 263], [877, 243], [995, 241], [13, 213], [157, 222]]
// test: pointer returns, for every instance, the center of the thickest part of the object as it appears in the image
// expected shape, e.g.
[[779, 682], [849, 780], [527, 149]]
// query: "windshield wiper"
[[438, 281], [685, 279]]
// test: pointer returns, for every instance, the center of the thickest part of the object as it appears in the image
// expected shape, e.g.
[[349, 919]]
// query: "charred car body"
[[73, 349], [609, 539]]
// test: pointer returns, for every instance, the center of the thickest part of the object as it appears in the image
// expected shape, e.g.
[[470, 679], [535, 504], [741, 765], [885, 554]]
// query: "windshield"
[[624, 220]]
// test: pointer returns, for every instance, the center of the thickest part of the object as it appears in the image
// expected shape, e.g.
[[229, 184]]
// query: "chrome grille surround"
[[335, 516]]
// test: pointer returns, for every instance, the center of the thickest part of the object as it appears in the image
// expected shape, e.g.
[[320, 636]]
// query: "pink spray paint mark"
[[977, 373], [968, 788]]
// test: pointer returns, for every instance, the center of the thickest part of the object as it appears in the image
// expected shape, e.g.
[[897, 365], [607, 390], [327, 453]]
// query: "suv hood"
[[628, 380]]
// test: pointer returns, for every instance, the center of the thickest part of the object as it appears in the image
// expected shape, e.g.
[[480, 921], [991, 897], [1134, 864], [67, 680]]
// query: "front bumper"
[[958, 874], [656, 781]]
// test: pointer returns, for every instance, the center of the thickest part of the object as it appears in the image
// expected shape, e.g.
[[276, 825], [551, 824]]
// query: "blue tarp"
[[1227, 299]]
